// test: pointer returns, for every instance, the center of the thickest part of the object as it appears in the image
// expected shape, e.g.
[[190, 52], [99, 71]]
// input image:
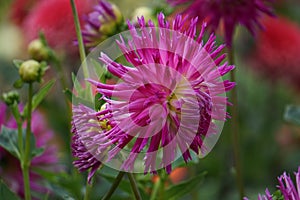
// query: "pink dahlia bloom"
[[164, 106], [288, 189], [10, 167], [230, 12]]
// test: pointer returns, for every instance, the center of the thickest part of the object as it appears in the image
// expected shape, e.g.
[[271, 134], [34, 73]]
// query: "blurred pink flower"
[[230, 12], [10, 168], [55, 19], [20, 9]]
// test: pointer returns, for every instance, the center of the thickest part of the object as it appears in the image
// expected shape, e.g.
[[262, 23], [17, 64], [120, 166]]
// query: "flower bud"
[[37, 50], [11, 97], [30, 71], [144, 11], [117, 13]]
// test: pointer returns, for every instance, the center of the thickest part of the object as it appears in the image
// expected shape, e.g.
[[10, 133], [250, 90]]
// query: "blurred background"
[[268, 73]]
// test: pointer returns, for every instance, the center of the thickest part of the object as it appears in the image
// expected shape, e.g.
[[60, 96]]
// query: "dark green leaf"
[[292, 114], [38, 97], [69, 94], [6, 193], [181, 189], [9, 141], [34, 151]]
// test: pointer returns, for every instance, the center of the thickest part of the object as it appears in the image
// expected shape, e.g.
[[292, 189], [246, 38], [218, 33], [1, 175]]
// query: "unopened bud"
[[11, 97], [117, 13], [146, 12], [30, 71], [37, 50]]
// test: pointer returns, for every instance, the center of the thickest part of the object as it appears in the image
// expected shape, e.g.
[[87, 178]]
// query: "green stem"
[[235, 130], [17, 116], [88, 189], [81, 48], [114, 186], [134, 186], [26, 158], [79, 37], [155, 189]]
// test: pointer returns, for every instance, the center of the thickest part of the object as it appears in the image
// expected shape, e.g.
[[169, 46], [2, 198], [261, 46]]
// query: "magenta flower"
[[230, 12], [287, 188], [165, 106], [85, 160], [9, 165], [101, 23]]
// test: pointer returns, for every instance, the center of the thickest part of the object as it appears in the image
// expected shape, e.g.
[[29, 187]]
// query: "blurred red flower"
[[277, 50]]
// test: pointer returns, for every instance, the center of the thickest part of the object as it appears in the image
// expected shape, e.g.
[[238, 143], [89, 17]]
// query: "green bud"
[[11, 97], [117, 13], [37, 50], [30, 71]]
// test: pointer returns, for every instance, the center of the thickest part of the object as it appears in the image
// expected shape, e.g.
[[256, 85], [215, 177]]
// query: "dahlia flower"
[[10, 167], [102, 22], [287, 188], [166, 105], [230, 12]]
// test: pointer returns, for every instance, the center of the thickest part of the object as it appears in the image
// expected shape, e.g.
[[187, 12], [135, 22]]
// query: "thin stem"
[[26, 160], [114, 186], [88, 189], [155, 189], [81, 48], [134, 186], [235, 130], [17, 116], [79, 37]]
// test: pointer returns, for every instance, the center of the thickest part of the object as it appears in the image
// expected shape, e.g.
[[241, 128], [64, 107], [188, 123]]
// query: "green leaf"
[[34, 151], [38, 97], [292, 114], [69, 94], [6, 193], [77, 85], [185, 187], [17, 63], [9, 141]]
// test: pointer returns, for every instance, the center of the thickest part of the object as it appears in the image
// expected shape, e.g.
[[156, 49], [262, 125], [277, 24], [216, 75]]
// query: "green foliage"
[[39, 96], [9, 141], [6, 193], [185, 187]]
